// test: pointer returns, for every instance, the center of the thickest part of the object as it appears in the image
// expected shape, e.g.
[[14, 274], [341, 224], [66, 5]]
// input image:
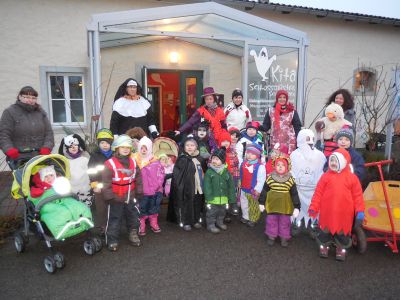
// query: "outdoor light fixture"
[[173, 57]]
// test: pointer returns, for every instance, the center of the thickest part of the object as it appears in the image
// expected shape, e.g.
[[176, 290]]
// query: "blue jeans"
[[150, 205]]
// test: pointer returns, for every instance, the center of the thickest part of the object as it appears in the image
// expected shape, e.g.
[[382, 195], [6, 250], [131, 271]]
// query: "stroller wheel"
[[19, 242], [59, 260], [50, 264], [97, 243], [89, 247], [359, 240]]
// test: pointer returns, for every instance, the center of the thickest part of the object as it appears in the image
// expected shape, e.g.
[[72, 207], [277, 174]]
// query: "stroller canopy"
[[22, 177]]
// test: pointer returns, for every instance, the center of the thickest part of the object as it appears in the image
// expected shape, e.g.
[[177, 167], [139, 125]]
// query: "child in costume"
[[249, 137], [280, 199], [144, 156], [73, 147], [219, 191], [344, 139], [122, 185], [329, 126], [232, 162], [186, 201], [42, 180], [153, 175], [278, 150], [337, 199], [284, 122], [202, 137], [252, 176], [104, 139], [136, 134], [307, 168]]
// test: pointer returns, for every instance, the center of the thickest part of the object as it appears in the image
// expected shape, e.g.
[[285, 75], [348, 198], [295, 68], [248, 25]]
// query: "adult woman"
[[237, 114], [24, 127], [131, 109], [344, 98], [210, 112], [284, 122]]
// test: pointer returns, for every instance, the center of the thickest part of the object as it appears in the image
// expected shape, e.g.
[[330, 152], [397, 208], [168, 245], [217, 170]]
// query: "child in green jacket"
[[219, 191]]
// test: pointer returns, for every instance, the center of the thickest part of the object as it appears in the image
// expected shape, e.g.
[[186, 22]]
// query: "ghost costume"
[[307, 168]]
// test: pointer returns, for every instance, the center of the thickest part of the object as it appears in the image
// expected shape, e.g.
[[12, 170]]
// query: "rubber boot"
[[134, 238], [154, 223], [142, 227], [323, 251], [340, 254]]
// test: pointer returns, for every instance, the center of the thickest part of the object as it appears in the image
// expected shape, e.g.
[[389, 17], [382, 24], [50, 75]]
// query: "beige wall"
[[53, 33]]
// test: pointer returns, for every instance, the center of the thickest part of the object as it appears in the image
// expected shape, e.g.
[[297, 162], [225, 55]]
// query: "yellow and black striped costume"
[[280, 196]]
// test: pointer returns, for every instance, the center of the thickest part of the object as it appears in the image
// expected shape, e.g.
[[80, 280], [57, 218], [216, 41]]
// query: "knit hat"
[[234, 130], [282, 92], [190, 137], [48, 170], [253, 124], [347, 132], [104, 134], [252, 148], [220, 153], [122, 140], [237, 93]]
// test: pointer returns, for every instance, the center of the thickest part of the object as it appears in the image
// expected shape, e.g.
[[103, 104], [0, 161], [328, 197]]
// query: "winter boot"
[[187, 227], [113, 247], [142, 227], [222, 226], [323, 251], [340, 254], [213, 229], [154, 223], [197, 225], [284, 243], [271, 241], [134, 238]]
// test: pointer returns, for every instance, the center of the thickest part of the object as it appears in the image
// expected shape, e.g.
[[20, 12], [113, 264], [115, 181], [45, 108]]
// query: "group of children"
[[203, 183]]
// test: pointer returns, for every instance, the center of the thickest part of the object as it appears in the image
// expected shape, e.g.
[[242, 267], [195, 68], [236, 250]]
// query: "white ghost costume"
[[307, 168]]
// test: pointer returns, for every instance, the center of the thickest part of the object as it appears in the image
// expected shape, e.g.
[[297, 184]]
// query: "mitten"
[[359, 219], [227, 206], [13, 153], [295, 213], [44, 151], [262, 207], [312, 213]]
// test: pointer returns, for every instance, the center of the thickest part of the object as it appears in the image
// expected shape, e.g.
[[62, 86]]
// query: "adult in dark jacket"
[[186, 202], [24, 125], [131, 109], [284, 122]]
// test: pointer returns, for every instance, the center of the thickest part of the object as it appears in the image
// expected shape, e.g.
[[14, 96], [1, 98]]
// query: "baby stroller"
[[56, 215]]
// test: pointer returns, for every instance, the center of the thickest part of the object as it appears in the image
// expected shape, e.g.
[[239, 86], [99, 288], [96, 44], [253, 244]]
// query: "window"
[[66, 95], [364, 81]]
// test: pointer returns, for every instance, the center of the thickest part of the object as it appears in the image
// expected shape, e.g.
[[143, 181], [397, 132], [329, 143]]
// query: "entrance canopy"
[[210, 25]]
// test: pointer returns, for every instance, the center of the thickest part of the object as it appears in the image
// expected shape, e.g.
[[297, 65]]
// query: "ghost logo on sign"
[[263, 63]]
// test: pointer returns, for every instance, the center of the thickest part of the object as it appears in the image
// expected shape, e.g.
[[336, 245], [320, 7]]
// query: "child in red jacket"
[[337, 199]]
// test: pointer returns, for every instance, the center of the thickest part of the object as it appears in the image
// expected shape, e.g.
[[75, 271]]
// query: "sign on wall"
[[270, 69]]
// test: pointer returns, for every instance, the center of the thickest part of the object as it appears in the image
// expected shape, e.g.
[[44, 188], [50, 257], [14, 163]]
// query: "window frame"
[[371, 82], [47, 101]]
